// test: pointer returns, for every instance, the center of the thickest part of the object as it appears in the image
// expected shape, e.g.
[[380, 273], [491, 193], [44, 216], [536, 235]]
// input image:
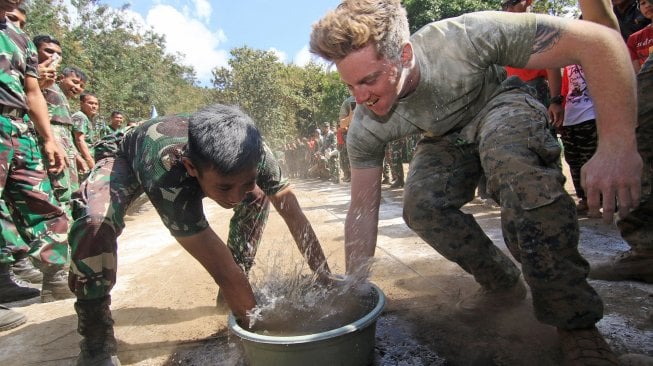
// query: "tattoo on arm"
[[547, 34]]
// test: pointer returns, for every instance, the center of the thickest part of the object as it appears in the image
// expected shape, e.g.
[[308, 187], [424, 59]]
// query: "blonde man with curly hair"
[[447, 81]]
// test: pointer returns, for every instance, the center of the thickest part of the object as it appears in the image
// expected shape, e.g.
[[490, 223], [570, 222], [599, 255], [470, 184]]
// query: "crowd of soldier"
[[35, 208]]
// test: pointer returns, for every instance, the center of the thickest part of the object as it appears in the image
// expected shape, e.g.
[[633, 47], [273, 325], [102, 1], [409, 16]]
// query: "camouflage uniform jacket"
[[82, 124], [58, 106], [18, 59], [154, 150]]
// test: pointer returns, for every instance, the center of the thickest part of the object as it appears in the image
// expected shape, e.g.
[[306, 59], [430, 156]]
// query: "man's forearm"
[[216, 258], [38, 109], [361, 229], [300, 228], [83, 149]]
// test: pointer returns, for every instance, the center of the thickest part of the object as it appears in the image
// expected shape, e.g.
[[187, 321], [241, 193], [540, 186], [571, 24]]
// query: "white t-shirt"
[[579, 106]]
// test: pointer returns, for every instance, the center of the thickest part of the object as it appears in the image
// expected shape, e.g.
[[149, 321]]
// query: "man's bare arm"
[[288, 207], [362, 222], [614, 172], [216, 258]]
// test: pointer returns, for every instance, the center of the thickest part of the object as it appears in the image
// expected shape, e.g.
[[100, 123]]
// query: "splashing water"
[[294, 303]]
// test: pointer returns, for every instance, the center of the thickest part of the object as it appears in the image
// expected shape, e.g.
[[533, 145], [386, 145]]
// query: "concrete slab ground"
[[163, 303]]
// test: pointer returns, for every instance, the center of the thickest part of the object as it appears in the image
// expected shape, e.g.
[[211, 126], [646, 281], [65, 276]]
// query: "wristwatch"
[[557, 99]]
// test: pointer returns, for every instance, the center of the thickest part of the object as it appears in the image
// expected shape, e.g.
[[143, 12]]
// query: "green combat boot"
[[12, 291], [94, 323], [24, 269], [55, 284]]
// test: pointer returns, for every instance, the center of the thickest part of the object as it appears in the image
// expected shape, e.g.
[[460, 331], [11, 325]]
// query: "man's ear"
[[190, 167], [407, 55]]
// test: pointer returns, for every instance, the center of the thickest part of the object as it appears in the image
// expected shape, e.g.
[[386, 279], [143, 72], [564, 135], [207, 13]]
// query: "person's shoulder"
[[20, 39], [646, 32]]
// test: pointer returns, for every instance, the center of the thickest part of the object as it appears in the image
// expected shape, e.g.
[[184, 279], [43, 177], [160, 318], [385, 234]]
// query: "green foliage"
[[422, 12], [556, 7], [285, 101]]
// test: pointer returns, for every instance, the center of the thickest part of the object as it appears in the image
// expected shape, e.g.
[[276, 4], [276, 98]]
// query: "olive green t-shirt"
[[460, 61]]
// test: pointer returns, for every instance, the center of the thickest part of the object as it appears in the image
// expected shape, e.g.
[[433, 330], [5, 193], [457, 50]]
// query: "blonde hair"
[[354, 24]]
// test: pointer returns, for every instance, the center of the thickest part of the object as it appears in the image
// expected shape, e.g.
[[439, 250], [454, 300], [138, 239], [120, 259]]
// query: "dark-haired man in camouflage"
[[84, 133], [330, 151], [67, 181], [24, 184], [177, 161]]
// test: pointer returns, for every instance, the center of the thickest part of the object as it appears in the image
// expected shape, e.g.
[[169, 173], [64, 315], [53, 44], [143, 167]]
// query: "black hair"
[[223, 138], [74, 70], [44, 38], [115, 113], [85, 94]]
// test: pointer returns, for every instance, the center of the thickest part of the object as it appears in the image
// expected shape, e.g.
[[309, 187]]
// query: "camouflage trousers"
[[637, 227], [343, 155], [580, 142], [14, 242], [540, 87], [66, 182], [392, 161], [27, 192], [99, 208], [510, 141], [397, 158], [334, 165]]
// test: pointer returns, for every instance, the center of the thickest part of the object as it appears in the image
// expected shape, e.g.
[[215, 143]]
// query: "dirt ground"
[[163, 303]]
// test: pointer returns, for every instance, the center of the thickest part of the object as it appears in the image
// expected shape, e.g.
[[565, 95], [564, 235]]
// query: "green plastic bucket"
[[349, 345]]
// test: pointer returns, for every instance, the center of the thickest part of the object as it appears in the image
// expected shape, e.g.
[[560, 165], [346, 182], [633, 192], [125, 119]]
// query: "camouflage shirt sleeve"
[[80, 122], [18, 60], [155, 150], [270, 179], [58, 107]]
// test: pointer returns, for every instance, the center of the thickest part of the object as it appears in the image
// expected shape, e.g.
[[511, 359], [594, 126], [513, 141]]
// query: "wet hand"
[[612, 176]]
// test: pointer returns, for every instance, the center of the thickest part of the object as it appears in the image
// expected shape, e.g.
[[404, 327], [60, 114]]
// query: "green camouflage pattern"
[[27, 190], [515, 149], [58, 106], [23, 180], [636, 227], [18, 60], [330, 150], [147, 159], [83, 125], [343, 160], [107, 130], [397, 148], [12, 242], [246, 228], [67, 181]]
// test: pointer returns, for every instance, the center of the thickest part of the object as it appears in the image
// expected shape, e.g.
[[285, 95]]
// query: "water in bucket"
[[292, 302]]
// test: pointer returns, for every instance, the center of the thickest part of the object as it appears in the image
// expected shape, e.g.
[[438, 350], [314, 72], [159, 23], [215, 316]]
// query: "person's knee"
[[420, 213], [91, 236]]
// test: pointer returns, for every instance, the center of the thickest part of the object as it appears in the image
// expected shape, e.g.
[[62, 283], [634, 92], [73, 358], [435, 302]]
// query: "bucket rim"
[[357, 325]]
